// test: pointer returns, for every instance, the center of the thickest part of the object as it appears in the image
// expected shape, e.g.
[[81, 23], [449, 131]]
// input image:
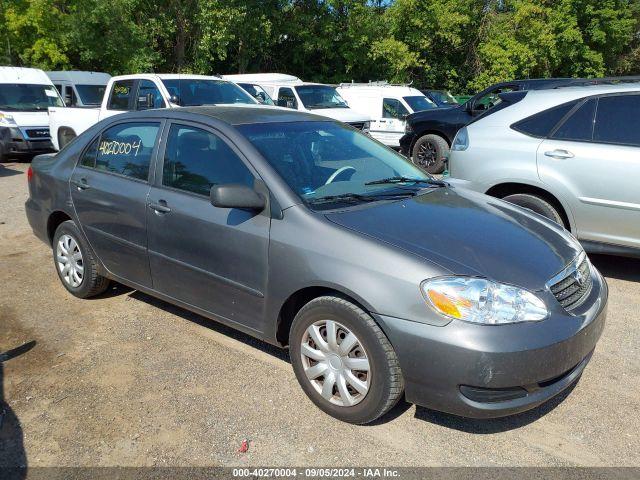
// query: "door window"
[[126, 149], [579, 126], [393, 108], [286, 98], [149, 96], [121, 95], [617, 120], [195, 160]]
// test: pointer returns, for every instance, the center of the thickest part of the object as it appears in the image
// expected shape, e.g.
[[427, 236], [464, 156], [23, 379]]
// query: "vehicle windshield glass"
[[320, 96], [257, 92], [444, 98], [419, 103], [191, 92], [22, 97], [322, 159], [91, 94]]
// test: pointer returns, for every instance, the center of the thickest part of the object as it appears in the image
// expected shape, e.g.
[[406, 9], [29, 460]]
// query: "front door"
[[208, 257], [594, 155], [109, 189]]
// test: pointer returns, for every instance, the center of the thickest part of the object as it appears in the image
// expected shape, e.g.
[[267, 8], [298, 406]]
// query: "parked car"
[[141, 92], [571, 155], [25, 95], [441, 98], [386, 105], [291, 92], [257, 92], [306, 233], [429, 133], [80, 89]]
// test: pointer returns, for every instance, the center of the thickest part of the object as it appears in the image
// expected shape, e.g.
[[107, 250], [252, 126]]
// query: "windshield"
[[443, 98], [191, 92], [22, 97], [91, 94], [419, 103], [257, 92], [320, 96], [324, 159]]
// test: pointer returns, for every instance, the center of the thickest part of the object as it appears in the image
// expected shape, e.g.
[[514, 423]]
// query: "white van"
[[387, 105], [291, 92], [80, 89], [25, 96]]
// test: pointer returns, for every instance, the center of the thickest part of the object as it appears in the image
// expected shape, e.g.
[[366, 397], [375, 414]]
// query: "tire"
[[536, 204], [68, 237], [383, 383], [65, 137], [429, 153]]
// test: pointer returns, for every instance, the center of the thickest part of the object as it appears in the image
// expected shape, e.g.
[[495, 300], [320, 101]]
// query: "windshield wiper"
[[394, 180], [351, 197]]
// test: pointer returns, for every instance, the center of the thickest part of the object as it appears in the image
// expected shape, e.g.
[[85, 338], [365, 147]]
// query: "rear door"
[[109, 189], [208, 257], [594, 155], [389, 126]]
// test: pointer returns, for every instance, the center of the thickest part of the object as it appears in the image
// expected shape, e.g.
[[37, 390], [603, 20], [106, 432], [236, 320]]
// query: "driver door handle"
[[559, 154], [80, 184], [160, 207]]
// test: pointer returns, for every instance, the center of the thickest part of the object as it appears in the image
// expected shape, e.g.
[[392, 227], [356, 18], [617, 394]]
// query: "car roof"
[[77, 76], [235, 114], [168, 76], [23, 75], [399, 90]]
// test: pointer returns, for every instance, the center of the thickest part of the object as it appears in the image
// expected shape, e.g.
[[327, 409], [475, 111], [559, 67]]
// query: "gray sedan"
[[306, 233]]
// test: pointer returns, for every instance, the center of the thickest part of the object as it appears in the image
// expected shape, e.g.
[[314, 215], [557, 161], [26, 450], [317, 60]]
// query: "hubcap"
[[427, 155], [336, 363], [69, 260]]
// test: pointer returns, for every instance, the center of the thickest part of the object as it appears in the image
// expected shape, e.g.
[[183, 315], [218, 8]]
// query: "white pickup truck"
[[140, 92]]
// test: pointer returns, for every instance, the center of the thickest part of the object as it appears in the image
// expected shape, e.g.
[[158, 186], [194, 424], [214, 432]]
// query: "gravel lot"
[[129, 380]]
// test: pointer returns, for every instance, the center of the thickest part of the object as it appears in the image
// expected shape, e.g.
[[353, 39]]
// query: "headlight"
[[407, 127], [7, 120], [461, 142], [478, 300], [366, 126]]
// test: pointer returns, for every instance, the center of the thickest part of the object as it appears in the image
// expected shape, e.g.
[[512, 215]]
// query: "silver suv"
[[569, 154]]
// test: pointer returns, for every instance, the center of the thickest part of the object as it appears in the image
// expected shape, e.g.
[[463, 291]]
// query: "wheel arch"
[[292, 305], [62, 131], [502, 190], [53, 222]]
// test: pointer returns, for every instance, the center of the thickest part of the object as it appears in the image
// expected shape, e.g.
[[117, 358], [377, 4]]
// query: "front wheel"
[[75, 264], [430, 152], [536, 204], [343, 361]]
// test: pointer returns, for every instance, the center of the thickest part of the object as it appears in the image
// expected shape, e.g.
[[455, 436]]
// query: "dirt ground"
[[125, 379]]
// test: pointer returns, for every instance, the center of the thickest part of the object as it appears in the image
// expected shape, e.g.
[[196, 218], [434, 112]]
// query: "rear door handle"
[[559, 154], [160, 207], [81, 184]]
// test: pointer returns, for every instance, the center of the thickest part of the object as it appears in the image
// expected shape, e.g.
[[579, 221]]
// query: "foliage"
[[458, 44]]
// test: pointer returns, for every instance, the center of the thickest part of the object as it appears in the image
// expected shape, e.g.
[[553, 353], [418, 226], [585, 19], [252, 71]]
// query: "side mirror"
[[67, 100], [233, 195], [175, 99]]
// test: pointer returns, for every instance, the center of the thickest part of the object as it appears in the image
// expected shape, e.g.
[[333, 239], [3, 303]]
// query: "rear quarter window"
[[542, 123]]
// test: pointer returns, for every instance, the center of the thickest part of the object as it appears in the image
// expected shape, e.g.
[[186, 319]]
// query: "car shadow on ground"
[[230, 332], [13, 458], [8, 172], [622, 268]]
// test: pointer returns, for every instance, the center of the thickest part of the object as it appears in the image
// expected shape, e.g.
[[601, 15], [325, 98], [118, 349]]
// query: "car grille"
[[358, 125], [574, 284], [37, 132]]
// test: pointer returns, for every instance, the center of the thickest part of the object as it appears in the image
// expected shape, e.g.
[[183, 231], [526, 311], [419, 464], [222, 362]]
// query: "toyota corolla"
[[383, 282]]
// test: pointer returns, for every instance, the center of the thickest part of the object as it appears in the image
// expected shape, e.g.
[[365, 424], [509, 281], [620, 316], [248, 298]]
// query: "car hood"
[[342, 114], [468, 233], [30, 119], [431, 113]]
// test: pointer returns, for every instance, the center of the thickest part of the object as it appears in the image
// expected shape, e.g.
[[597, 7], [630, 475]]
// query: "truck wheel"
[[343, 361], [75, 264], [536, 204], [430, 152], [65, 136]]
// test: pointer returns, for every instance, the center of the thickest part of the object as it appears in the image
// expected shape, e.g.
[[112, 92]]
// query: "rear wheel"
[[430, 153], [75, 264], [536, 204], [343, 361]]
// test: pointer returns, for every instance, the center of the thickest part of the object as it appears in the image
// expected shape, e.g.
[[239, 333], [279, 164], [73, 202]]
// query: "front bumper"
[[484, 371], [14, 143]]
